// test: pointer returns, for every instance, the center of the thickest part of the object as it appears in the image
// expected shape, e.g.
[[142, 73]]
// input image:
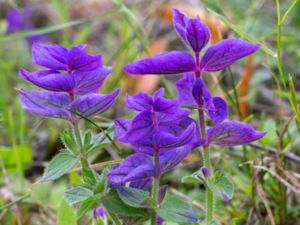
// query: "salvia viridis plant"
[[162, 132]]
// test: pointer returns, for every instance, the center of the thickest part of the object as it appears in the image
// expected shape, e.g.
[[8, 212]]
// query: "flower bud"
[[206, 173], [99, 213]]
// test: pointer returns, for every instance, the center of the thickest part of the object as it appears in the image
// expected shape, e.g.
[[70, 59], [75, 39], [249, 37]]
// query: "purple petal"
[[225, 53], [90, 82], [197, 34], [134, 168], [159, 220], [166, 63], [179, 22], [141, 127], [78, 60], [163, 105], [50, 56], [206, 173], [99, 212], [201, 95], [45, 103], [169, 159], [143, 184], [162, 193], [49, 80], [165, 118], [93, 104], [184, 87], [231, 133], [15, 20], [188, 136], [218, 111], [145, 146], [159, 94], [121, 127], [139, 102]]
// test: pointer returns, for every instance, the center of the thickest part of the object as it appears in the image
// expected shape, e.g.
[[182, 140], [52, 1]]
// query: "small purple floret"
[[99, 212], [206, 173], [225, 198]]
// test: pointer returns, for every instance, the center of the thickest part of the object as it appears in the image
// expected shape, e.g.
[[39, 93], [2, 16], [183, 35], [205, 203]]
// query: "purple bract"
[[71, 82]]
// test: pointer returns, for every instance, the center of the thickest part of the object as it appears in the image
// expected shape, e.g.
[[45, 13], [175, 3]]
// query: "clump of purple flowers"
[[193, 93], [162, 133], [71, 82], [19, 20]]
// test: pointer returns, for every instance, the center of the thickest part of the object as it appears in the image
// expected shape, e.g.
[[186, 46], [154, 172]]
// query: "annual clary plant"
[[194, 94], [162, 133]]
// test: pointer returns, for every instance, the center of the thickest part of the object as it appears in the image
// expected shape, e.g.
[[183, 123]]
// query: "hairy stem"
[[84, 162], [114, 218], [155, 187], [207, 164]]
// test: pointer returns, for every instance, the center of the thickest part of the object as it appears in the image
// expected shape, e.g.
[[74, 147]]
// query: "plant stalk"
[[207, 164], [155, 186]]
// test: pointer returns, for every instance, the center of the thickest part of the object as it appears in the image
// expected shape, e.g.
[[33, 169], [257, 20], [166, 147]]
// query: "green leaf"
[[66, 214], [102, 139], [196, 177], [61, 164], [77, 194], [86, 205], [132, 196], [113, 203], [69, 142], [221, 185], [102, 185], [8, 157], [175, 209], [243, 34]]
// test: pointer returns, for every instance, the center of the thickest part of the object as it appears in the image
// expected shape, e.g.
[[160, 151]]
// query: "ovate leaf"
[[113, 203], [77, 194], [221, 186], [132, 196], [86, 205], [61, 164], [66, 214], [174, 209]]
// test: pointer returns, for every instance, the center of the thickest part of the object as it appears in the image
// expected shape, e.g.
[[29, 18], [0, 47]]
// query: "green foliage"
[[174, 209], [9, 160], [61, 164], [77, 194], [220, 184], [113, 203], [133, 197], [86, 206], [66, 214]]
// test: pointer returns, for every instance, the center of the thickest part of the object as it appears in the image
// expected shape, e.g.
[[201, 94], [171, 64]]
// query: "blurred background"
[[266, 174]]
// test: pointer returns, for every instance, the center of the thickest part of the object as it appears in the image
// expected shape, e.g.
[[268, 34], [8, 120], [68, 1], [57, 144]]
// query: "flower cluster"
[[191, 89], [160, 130], [20, 20], [71, 82]]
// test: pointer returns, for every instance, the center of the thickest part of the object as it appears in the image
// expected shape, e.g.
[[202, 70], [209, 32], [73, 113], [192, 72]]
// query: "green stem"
[[279, 44], [114, 218], [207, 164], [155, 187], [85, 166]]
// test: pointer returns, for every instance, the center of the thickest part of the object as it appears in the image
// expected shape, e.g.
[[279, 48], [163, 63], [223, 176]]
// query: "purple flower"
[[191, 31], [231, 133], [61, 105], [99, 212], [20, 20], [193, 92], [162, 128], [196, 36], [206, 173], [71, 83]]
